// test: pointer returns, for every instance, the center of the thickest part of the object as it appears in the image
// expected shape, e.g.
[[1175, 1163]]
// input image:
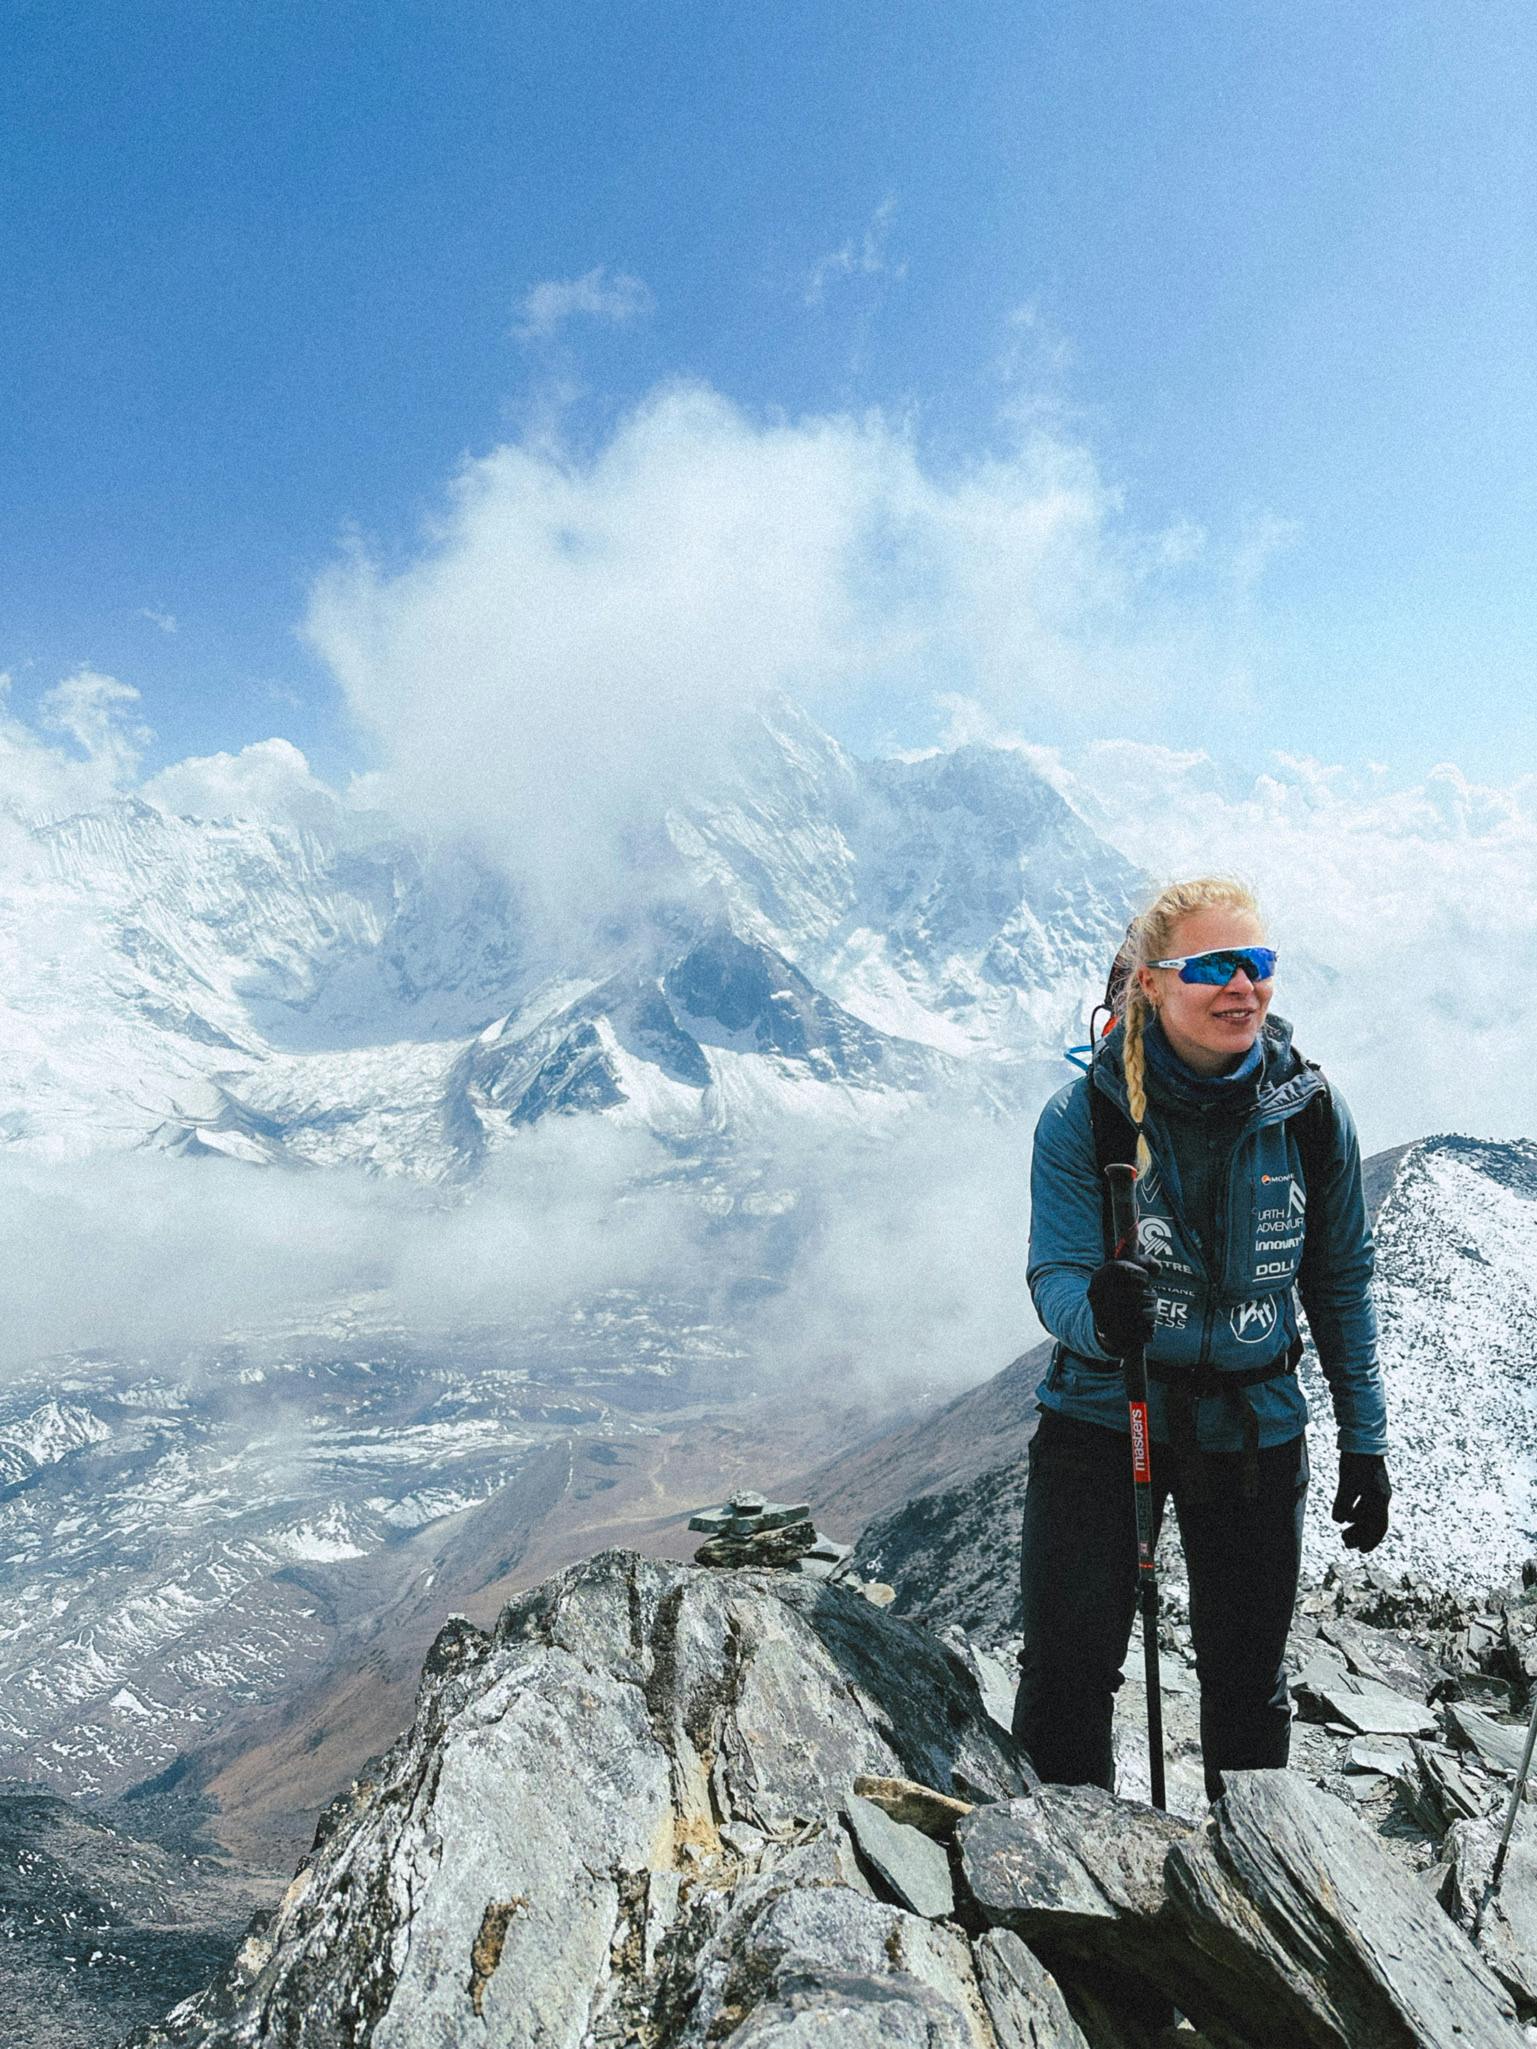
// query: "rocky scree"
[[665, 1804]]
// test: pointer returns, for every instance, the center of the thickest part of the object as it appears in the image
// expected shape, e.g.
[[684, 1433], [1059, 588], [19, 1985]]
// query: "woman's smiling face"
[[1210, 1029]]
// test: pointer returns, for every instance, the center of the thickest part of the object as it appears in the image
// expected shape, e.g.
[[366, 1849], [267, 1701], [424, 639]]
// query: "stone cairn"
[[751, 1530]]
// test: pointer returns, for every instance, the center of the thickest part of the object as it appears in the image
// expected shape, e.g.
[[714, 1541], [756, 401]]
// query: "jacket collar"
[[1284, 1084]]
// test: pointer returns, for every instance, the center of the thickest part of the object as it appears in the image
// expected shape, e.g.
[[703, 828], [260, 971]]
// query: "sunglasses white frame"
[[1184, 959]]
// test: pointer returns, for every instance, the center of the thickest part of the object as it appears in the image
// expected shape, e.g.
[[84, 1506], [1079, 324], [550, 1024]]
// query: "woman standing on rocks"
[[1249, 1194]]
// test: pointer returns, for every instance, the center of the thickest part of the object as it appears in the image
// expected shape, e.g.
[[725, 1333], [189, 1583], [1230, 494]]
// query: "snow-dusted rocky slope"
[[100, 1931], [1456, 1296], [181, 1550], [834, 932]]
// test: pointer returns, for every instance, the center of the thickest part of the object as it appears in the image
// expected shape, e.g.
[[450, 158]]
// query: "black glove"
[[1121, 1297], [1362, 1501]]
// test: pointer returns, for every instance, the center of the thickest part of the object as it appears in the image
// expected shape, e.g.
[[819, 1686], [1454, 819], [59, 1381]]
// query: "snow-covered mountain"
[[178, 1551], [1456, 1295], [835, 933], [187, 1539]]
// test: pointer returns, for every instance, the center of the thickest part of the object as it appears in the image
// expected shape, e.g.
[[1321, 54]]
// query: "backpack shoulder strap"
[[1115, 1136], [1115, 1142], [1315, 1133]]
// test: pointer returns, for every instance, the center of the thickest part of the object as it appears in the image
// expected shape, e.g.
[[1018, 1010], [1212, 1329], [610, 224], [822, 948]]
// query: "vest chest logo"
[[1253, 1322], [1155, 1238], [1280, 1217]]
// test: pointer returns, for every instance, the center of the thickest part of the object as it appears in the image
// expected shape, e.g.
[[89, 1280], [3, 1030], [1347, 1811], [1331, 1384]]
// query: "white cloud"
[[101, 744], [1419, 900], [140, 1251], [596, 295], [269, 780], [907, 1277], [578, 630], [910, 1277], [93, 711], [166, 621], [865, 255]]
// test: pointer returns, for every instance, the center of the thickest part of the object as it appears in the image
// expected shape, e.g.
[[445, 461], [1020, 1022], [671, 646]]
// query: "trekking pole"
[[1123, 1215], [1510, 1820]]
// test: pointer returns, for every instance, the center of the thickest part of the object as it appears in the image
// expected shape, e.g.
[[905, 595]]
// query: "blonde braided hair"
[[1149, 939]]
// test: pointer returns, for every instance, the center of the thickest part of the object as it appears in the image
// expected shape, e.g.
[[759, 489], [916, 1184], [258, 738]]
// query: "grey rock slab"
[[821, 1855], [1384, 1655], [1363, 1785], [1499, 1744], [1300, 1932], [794, 1685], [1394, 1759], [1024, 2002], [662, 1899], [476, 1886], [909, 1863], [742, 1839], [1375, 1710], [844, 2010], [1507, 1925], [1322, 1667], [1445, 1795], [487, 1835], [997, 1680], [810, 1567], [783, 1950], [1493, 1696], [1069, 1863]]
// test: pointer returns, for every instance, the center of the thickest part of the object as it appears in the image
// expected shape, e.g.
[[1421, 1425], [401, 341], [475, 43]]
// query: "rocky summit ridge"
[[666, 1805]]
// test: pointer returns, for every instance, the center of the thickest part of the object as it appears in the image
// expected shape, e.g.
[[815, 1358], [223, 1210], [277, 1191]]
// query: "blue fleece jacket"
[[1236, 1233]]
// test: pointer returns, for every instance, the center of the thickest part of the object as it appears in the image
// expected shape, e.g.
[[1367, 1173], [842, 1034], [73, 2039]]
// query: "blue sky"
[[264, 278]]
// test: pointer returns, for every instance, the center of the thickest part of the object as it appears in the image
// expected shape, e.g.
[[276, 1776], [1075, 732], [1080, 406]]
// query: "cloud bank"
[[910, 1277], [141, 1251], [581, 628], [567, 653], [1406, 912]]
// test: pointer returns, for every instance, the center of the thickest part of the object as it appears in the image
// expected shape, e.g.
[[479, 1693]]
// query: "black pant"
[[1078, 1566]]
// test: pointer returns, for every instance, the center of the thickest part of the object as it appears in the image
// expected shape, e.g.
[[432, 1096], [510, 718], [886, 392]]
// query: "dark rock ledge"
[[631, 1816]]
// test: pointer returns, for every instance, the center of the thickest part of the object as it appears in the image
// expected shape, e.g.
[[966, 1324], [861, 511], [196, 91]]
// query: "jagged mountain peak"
[[973, 776], [708, 1026], [326, 976]]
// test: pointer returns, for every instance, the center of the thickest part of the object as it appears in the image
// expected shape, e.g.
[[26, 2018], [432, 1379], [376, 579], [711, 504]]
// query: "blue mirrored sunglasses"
[[1220, 963]]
